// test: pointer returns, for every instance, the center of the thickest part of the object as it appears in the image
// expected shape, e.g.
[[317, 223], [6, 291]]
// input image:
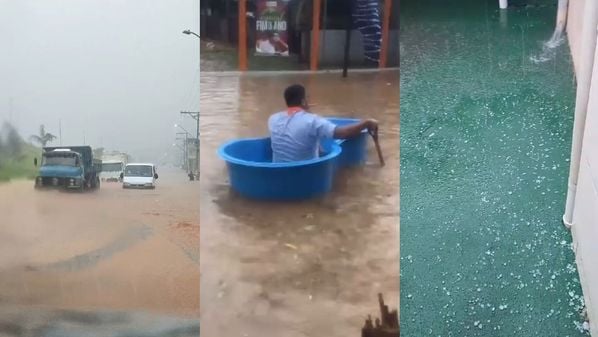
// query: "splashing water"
[[548, 48]]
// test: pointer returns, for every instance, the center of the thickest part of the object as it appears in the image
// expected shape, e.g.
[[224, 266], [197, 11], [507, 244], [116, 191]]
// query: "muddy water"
[[298, 269], [134, 251]]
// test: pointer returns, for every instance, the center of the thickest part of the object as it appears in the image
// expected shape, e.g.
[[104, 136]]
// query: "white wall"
[[574, 28], [585, 222], [585, 214]]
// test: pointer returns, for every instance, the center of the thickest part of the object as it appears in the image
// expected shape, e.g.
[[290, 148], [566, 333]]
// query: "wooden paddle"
[[374, 134]]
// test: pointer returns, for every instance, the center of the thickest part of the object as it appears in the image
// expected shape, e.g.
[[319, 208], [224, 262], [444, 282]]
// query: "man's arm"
[[353, 130]]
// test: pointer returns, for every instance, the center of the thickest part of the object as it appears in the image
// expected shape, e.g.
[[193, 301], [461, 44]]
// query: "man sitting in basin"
[[296, 133]]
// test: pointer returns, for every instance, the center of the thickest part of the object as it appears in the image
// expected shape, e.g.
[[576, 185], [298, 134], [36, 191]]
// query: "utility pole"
[[242, 64], [185, 150], [195, 115]]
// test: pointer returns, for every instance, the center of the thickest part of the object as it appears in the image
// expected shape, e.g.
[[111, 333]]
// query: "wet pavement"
[[311, 268], [130, 253], [487, 115], [41, 322]]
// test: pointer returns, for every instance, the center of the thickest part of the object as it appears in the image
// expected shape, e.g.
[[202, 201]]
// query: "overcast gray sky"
[[115, 72]]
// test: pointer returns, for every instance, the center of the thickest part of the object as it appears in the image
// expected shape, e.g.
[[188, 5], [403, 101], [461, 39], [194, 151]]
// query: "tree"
[[11, 144], [43, 137], [3, 155], [13, 141]]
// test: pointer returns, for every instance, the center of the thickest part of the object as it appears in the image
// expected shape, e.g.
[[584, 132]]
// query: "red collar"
[[293, 110]]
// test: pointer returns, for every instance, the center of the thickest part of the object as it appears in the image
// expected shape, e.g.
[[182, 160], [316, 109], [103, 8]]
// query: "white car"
[[139, 175]]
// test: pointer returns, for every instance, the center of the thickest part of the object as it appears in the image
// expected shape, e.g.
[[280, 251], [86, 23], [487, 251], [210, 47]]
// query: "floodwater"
[[310, 268], [100, 261], [485, 141]]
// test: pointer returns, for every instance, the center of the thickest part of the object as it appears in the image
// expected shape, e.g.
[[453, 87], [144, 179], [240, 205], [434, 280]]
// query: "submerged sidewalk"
[[486, 132]]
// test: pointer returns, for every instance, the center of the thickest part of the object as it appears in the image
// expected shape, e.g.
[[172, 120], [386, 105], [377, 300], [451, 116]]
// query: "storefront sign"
[[271, 28]]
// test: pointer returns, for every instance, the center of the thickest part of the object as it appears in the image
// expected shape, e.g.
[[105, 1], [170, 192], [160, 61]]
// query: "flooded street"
[[113, 250], [311, 268]]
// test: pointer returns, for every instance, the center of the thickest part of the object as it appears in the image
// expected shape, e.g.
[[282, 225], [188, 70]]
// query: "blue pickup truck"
[[68, 167]]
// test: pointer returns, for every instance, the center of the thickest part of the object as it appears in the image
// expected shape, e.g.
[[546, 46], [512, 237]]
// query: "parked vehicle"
[[139, 175], [113, 164], [71, 167]]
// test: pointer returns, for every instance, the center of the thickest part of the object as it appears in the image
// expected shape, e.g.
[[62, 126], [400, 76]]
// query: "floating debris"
[[385, 326]]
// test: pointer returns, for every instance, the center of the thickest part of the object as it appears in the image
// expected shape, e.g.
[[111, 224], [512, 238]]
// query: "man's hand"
[[353, 130], [372, 126]]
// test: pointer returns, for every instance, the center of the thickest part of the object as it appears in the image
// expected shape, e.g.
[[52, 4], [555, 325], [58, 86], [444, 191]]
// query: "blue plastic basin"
[[355, 149], [253, 174]]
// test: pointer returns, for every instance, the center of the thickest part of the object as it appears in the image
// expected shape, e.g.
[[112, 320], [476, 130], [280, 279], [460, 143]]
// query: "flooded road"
[[310, 268], [127, 250]]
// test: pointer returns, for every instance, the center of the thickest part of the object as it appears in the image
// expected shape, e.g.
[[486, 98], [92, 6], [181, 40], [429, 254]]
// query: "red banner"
[[271, 28]]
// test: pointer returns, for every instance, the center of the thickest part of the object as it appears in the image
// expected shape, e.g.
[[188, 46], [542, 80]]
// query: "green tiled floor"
[[485, 140]]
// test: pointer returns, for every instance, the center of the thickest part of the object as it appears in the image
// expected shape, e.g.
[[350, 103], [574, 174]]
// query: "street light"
[[182, 128], [194, 115], [188, 32]]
